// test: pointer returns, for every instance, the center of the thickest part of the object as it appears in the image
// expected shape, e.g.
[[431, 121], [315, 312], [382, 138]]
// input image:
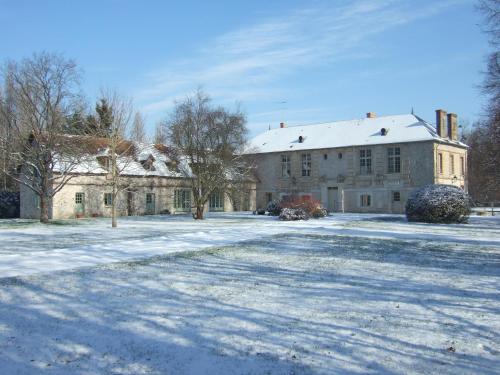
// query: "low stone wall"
[[9, 204]]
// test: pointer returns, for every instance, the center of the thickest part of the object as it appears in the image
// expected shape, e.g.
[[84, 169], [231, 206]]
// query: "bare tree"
[[7, 124], [119, 152], [209, 141], [160, 133], [484, 138], [44, 91], [138, 132]]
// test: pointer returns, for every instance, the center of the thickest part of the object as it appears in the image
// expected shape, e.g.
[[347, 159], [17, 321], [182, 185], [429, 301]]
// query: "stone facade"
[[340, 179], [84, 196]]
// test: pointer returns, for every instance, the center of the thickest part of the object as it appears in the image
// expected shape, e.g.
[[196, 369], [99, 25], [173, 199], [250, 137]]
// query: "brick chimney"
[[452, 126], [371, 115], [441, 123], [282, 125]]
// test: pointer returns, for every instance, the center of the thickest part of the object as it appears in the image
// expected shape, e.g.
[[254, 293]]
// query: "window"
[[285, 166], [36, 201], [108, 199], [306, 164], [462, 165], [339, 155], [452, 165], [393, 160], [365, 200], [148, 165], [78, 198], [365, 161], [325, 156], [172, 166], [440, 163], [396, 196], [104, 162], [150, 204], [216, 201], [182, 199]]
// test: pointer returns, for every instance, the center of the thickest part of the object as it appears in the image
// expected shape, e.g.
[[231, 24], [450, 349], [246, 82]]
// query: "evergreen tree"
[[100, 122]]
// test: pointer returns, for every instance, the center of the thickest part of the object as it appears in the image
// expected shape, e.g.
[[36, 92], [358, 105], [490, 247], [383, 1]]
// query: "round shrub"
[[438, 204], [319, 212], [306, 203], [274, 208], [9, 204], [291, 214]]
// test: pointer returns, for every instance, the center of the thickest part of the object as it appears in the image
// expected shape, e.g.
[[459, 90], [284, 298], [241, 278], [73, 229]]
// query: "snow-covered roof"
[[366, 131], [141, 160]]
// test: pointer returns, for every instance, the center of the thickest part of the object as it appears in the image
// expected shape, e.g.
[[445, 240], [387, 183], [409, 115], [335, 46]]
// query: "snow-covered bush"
[[9, 204], [305, 203], [319, 212], [290, 214], [274, 208], [261, 211], [438, 204]]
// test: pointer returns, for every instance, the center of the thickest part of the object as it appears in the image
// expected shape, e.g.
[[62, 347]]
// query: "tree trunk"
[[114, 222], [44, 209], [199, 212]]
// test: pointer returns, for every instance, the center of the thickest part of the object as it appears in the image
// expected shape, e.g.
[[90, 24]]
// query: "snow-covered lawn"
[[244, 294]]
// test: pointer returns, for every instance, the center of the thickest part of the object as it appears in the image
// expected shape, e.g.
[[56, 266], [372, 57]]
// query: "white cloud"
[[243, 64]]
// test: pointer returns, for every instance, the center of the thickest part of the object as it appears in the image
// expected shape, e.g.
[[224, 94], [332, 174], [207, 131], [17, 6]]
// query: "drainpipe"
[[342, 199]]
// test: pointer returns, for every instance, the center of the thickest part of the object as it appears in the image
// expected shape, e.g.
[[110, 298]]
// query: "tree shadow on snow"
[[249, 309]]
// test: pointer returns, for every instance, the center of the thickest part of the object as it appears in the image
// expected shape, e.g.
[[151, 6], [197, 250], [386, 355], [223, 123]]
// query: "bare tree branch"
[[209, 141]]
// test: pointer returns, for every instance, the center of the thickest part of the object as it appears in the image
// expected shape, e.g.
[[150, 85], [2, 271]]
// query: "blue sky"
[[294, 61]]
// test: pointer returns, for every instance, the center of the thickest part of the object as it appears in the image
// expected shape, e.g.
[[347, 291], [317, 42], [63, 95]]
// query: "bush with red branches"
[[312, 207]]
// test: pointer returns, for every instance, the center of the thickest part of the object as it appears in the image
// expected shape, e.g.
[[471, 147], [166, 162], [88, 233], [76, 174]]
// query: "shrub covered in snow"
[[274, 208], [290, 214], [9, 204], [305, 203], [260, 211], [319, 212], [438, 204]]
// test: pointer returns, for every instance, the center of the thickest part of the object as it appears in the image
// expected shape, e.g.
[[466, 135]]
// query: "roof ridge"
[[351, 120]]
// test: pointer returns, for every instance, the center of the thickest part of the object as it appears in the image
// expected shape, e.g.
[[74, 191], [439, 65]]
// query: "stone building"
[[153, 183], [365, 165]]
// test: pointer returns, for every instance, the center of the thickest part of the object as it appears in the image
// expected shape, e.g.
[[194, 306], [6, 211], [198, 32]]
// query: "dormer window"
[[148, 164], [301, 139], [104, 162], [384, 131], [172, 166]]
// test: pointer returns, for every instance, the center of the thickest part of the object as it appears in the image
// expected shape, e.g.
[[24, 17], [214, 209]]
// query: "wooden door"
[[150, 204], [79, 204], [333, 199]]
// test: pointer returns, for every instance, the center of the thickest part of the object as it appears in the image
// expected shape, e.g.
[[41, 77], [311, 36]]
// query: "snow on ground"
[[28, 247], [243, 294]]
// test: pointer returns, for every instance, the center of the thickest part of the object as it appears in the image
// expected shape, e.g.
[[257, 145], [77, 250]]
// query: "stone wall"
[[448, 175], [131, 202], [336, 176]]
